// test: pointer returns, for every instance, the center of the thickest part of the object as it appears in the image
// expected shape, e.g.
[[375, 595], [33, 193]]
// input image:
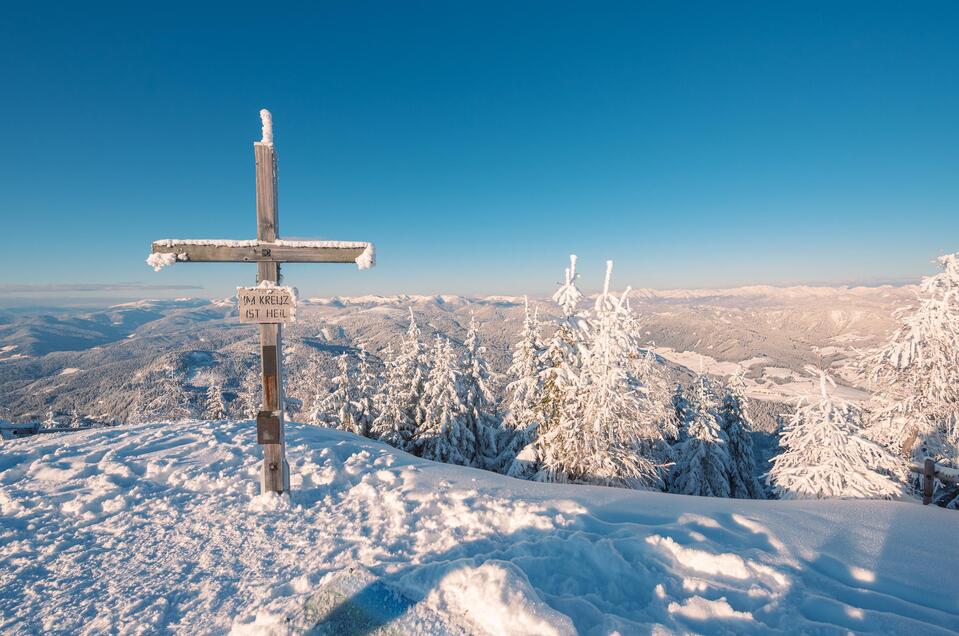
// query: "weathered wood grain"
[[276, 470], [265, 252]]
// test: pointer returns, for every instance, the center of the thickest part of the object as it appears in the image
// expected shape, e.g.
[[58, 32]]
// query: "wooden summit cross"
[[267, 251]]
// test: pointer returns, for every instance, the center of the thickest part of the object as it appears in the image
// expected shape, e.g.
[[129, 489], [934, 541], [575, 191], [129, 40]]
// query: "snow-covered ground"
[[158, 528], [778, 384]]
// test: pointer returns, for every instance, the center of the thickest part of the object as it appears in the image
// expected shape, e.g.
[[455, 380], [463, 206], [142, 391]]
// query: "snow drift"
[[159, 527]]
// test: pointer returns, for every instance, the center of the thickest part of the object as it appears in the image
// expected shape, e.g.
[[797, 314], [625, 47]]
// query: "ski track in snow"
[[158, 528]]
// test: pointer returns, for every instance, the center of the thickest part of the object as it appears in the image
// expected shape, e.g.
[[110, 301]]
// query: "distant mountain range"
[[90, 359]]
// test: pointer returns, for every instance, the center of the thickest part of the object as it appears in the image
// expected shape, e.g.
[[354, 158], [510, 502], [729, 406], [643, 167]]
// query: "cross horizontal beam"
[[279, 251]]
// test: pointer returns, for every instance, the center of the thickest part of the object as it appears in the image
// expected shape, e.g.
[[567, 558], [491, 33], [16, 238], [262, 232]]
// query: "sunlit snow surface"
[[158, 528]]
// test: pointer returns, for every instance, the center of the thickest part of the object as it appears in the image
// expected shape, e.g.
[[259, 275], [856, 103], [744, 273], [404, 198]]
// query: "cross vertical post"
[[276, 471], [266, 304]]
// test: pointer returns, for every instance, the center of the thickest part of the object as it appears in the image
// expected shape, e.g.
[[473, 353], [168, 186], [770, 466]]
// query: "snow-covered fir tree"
[[681, 414], [367, 387], [604, 430], [444, 434], [250, 392], [735, 423], [339, 408], [318, 390], [392, 424], [51, 421], [562, 359], [174, 397], [560, 369], [299, 376], [916, 409], [136, 405], [826, 456], [568, 295], [650, 380], [524, 392], [401, 394], [162, 397], [214, 408], [479, 403], [702, 462]]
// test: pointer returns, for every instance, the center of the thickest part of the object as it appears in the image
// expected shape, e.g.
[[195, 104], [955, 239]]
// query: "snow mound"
[[159, 261], [160, 528]]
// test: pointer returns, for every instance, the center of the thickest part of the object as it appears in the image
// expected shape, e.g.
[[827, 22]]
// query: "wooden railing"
[[931, 471]]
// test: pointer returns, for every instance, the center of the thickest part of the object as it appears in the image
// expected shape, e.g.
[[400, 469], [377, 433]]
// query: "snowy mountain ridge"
[[774, 292], [769, 292], [771, 337], [410, 299]]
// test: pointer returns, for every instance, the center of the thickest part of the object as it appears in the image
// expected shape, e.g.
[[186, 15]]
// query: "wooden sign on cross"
[[267, 251]]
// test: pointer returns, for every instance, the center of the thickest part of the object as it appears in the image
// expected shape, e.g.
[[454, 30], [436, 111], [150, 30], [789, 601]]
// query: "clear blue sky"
[[477, 144]]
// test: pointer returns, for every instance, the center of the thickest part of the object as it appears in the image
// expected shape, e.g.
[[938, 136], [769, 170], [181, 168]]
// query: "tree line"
[[584, 402]]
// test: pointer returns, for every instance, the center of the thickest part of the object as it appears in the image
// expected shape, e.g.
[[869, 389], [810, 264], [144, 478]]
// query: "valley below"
[[70, 363]]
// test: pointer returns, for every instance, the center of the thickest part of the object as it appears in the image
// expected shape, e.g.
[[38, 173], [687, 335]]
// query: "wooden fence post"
[[928, 480]]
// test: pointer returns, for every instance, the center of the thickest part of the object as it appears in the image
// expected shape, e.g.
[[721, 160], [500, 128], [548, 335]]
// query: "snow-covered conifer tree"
[[214, 409], [249, 395], [178, 402], [480, 408], [559, 365], [562, 359], [825, 455], [660, 425], [568, 295], [401, 393], [524, 393], [736, 425], [367, 387], [681, 413], [702, 459], [51, 421], [162, 397], [136, 405], [444, 434], [339, 408], [917, 392], [604, 430], [392, 424], [416, 360], [317, 388]]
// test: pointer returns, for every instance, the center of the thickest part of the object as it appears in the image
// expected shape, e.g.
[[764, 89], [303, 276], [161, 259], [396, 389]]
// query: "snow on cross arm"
[[159, 261], [365, 260]]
